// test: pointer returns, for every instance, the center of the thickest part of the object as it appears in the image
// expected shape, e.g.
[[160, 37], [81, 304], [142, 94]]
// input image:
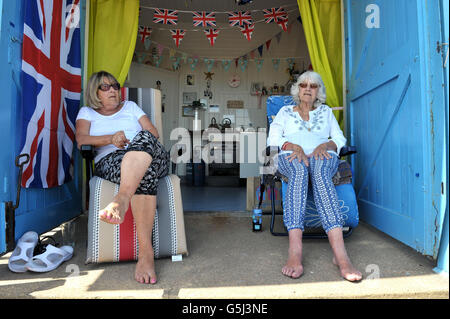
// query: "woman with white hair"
[[310, 140]]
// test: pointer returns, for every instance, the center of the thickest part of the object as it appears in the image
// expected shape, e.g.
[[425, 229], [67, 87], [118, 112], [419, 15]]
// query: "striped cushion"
[[114, 243]]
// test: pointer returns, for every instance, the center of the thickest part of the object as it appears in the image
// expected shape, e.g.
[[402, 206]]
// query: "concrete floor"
[[227, 260]]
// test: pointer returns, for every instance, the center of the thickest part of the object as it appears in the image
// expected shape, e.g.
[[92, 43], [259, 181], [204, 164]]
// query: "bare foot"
[[293, 267], [114, 213], [145, 269], [348, 272]]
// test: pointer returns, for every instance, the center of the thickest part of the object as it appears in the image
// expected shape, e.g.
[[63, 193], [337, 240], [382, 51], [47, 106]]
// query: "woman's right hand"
[[297, 152], [119, 139]]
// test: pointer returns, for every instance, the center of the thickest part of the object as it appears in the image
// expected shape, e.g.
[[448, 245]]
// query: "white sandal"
[[23, 252], [50, 259]]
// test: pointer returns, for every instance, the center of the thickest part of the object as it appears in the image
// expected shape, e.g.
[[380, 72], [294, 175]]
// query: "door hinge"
[[10, 207], [439, 48]]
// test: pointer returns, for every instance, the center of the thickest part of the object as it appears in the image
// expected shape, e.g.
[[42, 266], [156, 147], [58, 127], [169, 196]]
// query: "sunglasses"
[[311, 85], [105, 87]]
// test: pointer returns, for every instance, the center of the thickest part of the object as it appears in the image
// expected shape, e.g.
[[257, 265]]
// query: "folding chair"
[[342, 181]]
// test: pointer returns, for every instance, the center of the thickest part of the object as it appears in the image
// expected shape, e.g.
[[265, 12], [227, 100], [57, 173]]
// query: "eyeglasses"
[[311, 85], [105, 87]]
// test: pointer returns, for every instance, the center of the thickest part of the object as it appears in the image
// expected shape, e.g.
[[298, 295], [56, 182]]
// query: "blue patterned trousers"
[[320, 173]]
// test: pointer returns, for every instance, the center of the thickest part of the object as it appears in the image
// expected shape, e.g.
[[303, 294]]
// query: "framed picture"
[[190, 79], [189, 97], [188, 111]]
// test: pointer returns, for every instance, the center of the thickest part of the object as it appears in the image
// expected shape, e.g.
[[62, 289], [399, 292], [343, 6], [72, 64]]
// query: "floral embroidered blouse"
[[288, 126]]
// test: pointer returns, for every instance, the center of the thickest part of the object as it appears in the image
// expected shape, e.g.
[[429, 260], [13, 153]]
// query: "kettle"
[[214, 124], [226, 123]]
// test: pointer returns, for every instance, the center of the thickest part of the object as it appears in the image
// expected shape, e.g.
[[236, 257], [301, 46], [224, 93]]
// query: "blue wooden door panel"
[[389, 118], [39, 209]]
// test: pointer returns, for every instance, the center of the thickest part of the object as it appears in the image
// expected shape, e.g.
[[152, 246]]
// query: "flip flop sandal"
[[50, 259], [23, 252]]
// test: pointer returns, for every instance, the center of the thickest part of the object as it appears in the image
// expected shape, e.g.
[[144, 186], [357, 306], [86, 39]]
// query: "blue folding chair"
[[345, 191]]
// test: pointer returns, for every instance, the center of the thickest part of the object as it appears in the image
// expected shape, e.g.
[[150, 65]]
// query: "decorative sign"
[[235, 104]]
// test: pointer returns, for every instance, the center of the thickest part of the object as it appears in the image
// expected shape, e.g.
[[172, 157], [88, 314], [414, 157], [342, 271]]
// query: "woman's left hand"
[[320, 152]]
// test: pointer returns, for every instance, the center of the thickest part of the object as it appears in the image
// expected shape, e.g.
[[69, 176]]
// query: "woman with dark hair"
[[128, 153]]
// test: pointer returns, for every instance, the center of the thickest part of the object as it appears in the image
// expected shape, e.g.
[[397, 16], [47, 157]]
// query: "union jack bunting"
[[51, 86], [274, 15], [165, 16], [144, 33], [204, 19], [177, 35], [283, 24], [211, 34], [239, 18], [247, 31]]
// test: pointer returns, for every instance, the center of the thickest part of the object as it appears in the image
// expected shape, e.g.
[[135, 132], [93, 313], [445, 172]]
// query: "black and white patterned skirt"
[[109, 166]]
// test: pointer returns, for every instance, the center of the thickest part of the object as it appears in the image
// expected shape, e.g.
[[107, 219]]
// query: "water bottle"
[[257, 219]]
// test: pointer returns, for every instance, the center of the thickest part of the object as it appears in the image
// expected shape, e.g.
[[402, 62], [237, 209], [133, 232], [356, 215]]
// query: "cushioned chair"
[[113, 243], [342, 181]]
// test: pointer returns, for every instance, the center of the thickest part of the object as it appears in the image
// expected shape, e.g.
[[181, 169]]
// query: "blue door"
[[396, 115], [39, 209]]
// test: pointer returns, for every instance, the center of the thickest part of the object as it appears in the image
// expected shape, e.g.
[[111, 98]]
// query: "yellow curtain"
[[322, 26], [113, 27]]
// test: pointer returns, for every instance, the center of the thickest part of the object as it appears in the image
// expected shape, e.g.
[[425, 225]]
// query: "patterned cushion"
[[114, 243]]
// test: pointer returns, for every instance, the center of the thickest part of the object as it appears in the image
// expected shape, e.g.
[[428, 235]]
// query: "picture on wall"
[[190, 79], [189, 97], [188, 111]]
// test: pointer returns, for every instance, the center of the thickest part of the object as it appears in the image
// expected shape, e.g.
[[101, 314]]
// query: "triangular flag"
[[259, 63], [144, 33], [192, 62], [283, 23], [268, 44], [176, 62], [289, 28], [157, 60], [278, 36], [140, 57], [226, 64], [209, 63], [171, 52], [211, 34], [247, 31], [147, 43], [177, 35], [252, 54], [276, 64], [160, 49], [260, 49], [243, 63]]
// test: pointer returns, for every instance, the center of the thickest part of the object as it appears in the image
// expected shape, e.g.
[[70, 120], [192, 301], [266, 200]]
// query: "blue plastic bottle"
[[257, 219]]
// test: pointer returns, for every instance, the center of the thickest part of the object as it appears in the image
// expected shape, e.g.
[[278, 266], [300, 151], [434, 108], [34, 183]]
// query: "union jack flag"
[[165, 16], [51, 86], [274, 15], [211, 34], [247, 31], [239, 18], [178, 35], [144, 33], [204, 19]]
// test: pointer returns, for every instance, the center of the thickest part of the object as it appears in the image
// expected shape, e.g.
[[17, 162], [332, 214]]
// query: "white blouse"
[[288, 126], [127, 120]]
